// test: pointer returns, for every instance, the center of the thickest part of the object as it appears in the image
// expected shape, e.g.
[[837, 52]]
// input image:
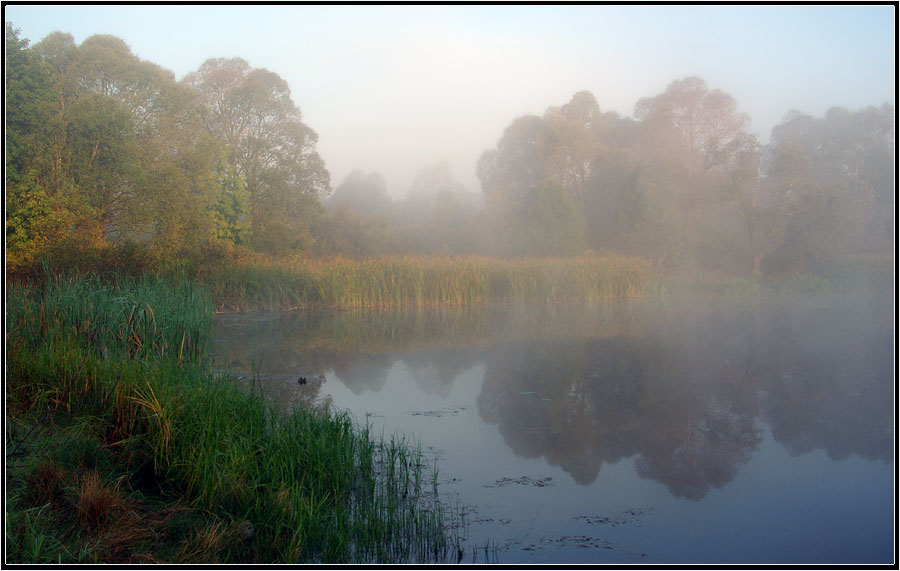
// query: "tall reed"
[[403, 281]]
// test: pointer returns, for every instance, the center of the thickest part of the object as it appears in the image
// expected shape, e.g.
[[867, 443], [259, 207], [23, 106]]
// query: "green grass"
[[124, 448]]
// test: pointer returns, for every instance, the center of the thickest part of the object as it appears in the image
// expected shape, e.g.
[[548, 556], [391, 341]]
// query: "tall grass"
[[261, 283], [125, 357]]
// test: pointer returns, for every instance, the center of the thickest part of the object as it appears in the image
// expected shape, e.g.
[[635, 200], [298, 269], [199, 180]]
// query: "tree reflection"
[[833, 387], [366, 373], [683, 398], [435, 370], [681, 387], [599, 401]]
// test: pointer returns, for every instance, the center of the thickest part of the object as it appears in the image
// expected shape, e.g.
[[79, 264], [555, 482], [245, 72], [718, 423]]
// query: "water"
[[682, 431]]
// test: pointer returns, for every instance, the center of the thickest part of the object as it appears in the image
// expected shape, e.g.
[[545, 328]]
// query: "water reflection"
[[583, 405], [682, 387]]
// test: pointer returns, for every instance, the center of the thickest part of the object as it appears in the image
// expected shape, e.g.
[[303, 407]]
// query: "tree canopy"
[[103, 147]]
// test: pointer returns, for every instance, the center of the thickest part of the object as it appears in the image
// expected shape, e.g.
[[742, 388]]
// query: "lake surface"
[[677, 431]]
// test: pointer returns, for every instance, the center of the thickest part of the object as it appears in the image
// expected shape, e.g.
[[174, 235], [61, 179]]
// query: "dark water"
[[683, 431]]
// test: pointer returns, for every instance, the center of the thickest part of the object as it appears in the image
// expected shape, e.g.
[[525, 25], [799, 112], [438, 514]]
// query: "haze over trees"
[[105, 148]]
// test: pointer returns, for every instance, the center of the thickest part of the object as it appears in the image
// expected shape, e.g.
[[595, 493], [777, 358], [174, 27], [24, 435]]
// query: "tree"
[[110, 148], [267, 146], [515, 166], [615, 168], [852, 154], [34, 211], [703, 125], [569, 142], [365, 194], [548, 222], [648, 222], [536, 175], [699, 130]]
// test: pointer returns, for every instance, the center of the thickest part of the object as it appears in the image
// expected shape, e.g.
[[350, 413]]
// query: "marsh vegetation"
[[123, 447]]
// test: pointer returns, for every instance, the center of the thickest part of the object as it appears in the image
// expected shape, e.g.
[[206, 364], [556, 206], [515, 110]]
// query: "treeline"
[[104, 148]]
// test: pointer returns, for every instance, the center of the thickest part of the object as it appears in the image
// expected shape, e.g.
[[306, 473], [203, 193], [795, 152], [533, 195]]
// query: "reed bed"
[[112, 411], [403, 281]]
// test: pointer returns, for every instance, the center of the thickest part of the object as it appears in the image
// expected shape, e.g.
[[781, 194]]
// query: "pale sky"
[[395, 88]]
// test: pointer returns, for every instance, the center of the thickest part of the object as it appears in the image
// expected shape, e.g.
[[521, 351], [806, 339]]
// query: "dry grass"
[[96, 502], [205, 545], [46, 484]]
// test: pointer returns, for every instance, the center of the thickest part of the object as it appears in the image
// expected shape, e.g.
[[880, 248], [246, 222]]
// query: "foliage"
[[548, 222], [686, 182], [269, 154], [105, 148]]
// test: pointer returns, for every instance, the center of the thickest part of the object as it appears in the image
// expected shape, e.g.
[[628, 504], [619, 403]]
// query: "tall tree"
[[696, 130], [569, 142], [37, 213], [267, 146], [118, 151]]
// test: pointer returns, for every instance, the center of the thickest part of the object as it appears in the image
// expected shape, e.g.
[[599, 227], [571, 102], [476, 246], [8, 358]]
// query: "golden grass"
[[263, 283]]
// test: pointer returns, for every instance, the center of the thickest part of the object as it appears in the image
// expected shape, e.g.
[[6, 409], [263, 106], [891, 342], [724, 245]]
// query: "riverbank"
[[122, 447]]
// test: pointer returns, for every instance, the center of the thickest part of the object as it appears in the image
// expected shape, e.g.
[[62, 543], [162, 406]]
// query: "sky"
[[393, 89]]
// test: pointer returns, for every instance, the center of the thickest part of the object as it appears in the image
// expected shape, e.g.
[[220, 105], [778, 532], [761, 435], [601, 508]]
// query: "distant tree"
[[364, 194], [438, 215], [515, 166], [852, 154], [548, 222], [451, 227], [699, 131], [429, 182], [345, 232]]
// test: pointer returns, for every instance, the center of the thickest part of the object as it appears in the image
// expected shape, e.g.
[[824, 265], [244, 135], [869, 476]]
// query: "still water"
[[676, 431]]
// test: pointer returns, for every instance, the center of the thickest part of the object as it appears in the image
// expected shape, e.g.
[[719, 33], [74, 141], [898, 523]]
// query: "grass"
[[124, 448], [259, 283]]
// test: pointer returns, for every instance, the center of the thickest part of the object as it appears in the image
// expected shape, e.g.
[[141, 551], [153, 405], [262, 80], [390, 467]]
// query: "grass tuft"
[[96, 502]]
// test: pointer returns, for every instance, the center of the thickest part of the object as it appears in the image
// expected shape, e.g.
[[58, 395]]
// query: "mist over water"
[[625, 431]]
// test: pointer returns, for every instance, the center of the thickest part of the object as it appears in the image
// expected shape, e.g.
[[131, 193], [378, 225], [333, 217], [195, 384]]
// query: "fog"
[[393, 89]]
